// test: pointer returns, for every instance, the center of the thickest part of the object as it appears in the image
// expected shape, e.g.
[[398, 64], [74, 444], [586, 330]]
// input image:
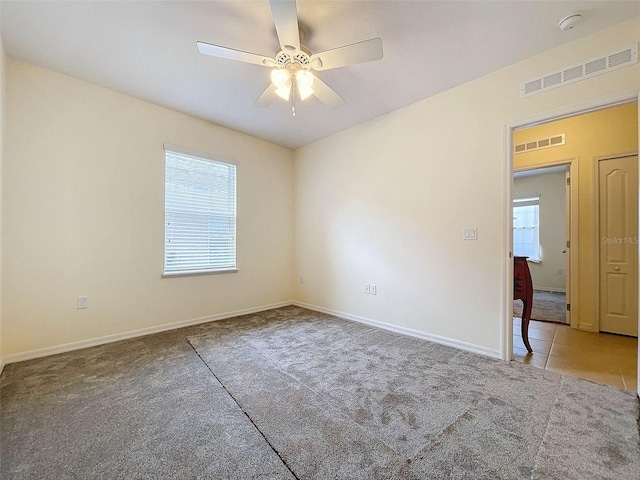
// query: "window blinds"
[[200, 213], [526, 228]]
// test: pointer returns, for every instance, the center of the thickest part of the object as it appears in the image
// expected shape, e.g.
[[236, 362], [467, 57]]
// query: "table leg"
[[526, 315]]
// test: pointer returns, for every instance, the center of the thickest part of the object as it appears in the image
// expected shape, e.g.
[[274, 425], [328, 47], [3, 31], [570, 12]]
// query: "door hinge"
[[568, 181], [568, 307], [568, 244]]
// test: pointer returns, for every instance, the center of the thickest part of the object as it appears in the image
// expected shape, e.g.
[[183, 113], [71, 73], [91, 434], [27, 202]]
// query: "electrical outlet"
[[83, 302], [470, 233], [367, 289], [374, 290]]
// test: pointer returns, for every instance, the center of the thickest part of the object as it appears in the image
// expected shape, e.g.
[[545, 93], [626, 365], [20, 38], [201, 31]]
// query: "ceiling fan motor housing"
[[301, 57]]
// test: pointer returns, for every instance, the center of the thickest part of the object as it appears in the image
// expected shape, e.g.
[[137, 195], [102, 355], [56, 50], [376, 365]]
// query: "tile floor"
[[599, 357]]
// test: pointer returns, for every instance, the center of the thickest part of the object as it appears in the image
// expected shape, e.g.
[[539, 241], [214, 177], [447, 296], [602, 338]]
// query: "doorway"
[[541, 232], [585, 319]]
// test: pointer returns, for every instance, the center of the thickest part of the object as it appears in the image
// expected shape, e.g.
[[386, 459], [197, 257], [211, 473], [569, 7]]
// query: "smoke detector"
[[567, 23]]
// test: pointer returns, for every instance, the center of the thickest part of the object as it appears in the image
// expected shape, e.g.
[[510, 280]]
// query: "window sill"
[[198, 273]]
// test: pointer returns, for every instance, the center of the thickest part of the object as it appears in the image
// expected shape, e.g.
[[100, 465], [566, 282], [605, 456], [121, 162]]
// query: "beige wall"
[[549, 274], [601, 134], [386, 202], [83, 214]]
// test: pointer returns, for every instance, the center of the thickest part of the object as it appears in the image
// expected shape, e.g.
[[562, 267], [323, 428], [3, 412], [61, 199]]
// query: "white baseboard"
[[68, 347], [549, 289], [92, 342], [469, 347]]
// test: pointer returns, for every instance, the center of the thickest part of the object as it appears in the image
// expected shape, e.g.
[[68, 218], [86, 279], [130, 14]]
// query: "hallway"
[[600, 357]]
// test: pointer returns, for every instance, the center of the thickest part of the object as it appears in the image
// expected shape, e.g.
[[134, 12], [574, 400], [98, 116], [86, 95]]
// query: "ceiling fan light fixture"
[[284, 92], [304, 80], [280, 78], [305, 93]]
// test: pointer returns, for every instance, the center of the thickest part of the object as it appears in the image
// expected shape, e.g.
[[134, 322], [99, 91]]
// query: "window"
[[526, 228], [200, 213]]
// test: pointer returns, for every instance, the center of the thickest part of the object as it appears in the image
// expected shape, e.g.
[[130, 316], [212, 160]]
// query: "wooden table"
[[523, 290]]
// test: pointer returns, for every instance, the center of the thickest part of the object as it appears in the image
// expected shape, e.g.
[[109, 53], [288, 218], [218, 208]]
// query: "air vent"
[[587, 69], [554, 141]]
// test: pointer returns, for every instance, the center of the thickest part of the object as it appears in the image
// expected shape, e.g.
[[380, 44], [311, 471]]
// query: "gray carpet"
[[547, 307], [291, 393]]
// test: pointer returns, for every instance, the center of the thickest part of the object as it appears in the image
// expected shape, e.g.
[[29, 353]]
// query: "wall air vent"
[[554, 141], [587, 69]]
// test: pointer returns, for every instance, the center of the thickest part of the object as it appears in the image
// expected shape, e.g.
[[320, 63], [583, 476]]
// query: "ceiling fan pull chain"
[[293, 98]]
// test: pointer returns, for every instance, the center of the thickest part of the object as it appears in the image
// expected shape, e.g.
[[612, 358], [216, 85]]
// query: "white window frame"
[[200, 221], [529, 230]]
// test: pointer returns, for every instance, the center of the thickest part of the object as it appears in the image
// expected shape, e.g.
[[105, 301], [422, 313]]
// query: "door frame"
[[572, 163], [595, 327], [586, 106]]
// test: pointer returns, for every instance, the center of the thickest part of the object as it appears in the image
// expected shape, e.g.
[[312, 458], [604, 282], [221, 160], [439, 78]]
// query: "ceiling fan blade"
[[231, 54], [267, 97], [326, 94], [285, 16], [361, 52]]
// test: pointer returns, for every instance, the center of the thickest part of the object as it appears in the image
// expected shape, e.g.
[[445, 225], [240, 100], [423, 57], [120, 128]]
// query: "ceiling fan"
[[292, 77]]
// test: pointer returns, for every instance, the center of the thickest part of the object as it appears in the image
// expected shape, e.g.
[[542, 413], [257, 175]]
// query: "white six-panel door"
[[618, 187]]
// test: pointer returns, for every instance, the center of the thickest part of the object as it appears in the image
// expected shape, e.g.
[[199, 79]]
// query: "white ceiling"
[[147, 49]]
